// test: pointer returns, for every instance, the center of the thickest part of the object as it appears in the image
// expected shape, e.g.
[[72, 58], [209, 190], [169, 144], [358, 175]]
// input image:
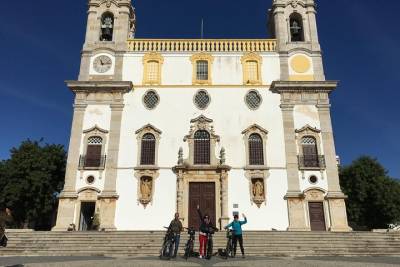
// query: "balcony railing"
[[92, 163], [202, 45], [313, 162]]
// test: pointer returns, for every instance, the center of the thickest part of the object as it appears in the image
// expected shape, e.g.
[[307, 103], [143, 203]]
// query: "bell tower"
[[110, 23], [293, 24]]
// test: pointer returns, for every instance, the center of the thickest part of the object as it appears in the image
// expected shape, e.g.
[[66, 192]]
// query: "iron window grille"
[[202, 70], [312, 162], [91, 163], [256, 150], [202, 99], [201, 148], [148, 150], [151, 99], [253, 99]]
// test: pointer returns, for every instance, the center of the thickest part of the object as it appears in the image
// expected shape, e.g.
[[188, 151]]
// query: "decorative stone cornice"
[[307, 128], [201, 119], [303, 86], [95, 128], [148, 127], [255, 127], [99, 86]]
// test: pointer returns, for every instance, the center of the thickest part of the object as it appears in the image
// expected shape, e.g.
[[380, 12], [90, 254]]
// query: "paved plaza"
[[218, 262]]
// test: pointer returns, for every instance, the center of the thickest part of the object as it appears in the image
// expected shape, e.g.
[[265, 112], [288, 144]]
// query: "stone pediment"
[[148, 128], [95, 129], [201, 119], [255, 128], [308, 128]]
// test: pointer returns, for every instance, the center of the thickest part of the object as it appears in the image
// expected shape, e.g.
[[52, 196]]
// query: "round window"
[[90, 179], [202, 99], [313, 179], [151, 99], [253, 99]]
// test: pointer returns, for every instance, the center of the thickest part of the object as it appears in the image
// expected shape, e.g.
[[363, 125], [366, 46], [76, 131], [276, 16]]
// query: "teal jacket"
[[237, 226]]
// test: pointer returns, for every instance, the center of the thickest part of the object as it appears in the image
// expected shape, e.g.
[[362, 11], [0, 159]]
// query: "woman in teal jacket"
[[237, 232]]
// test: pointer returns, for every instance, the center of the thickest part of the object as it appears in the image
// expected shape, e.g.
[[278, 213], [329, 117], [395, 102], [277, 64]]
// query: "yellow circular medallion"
[[300, 64]]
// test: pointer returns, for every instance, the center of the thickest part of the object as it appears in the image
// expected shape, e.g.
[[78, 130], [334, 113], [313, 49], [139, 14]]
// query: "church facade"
[[235, 126]]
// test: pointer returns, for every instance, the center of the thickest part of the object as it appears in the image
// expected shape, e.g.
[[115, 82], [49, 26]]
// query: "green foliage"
[[30, 181], [373, 196]]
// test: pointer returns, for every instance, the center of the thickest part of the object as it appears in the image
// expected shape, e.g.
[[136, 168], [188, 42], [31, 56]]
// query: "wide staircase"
[[148, 243]]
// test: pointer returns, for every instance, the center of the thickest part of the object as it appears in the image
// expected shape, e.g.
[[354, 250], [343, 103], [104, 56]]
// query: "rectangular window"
[[252, 71], [152, 71], [202, 70]]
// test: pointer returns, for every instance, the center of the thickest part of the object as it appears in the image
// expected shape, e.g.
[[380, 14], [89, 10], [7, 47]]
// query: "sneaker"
[[243, 256], [200, 257]]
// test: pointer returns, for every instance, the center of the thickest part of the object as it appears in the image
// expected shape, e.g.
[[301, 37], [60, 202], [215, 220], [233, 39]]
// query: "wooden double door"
[[202, 194], [317, 216]]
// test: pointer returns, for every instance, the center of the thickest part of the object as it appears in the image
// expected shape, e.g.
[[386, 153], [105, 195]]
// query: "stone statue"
[[258, 189], [146, 188]]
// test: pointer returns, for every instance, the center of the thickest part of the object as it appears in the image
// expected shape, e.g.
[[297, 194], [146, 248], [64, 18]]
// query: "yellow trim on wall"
[[204, 57], [245, 60], [300, 64], [301, 78], [152, 57]]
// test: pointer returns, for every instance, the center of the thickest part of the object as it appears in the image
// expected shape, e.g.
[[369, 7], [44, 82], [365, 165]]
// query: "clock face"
[[102, 64]]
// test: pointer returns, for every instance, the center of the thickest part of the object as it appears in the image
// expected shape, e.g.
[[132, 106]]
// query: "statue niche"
[[258, 191], [146, 190]]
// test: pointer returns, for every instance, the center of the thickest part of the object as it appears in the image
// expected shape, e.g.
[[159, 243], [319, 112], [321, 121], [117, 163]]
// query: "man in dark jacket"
[[176, 227], [205, 227]]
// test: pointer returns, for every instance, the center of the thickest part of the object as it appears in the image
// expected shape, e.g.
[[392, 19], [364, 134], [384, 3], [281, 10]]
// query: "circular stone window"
[[151, 99], [90, 179], [313, 179], [253, 99], [202, 99]]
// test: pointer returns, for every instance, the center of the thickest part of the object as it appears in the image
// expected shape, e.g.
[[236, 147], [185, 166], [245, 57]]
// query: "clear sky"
[[41, 42]]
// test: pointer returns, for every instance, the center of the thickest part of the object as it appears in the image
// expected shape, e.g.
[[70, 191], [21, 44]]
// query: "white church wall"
[[306, 114], [131, 215], [305, 184], [177, 69], [270, 215]]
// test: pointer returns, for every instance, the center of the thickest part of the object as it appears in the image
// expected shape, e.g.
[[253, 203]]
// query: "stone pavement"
[[217, 262]]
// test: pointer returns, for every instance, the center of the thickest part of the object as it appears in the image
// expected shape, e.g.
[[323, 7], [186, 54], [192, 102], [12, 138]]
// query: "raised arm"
[[199, 212], [245, 219]]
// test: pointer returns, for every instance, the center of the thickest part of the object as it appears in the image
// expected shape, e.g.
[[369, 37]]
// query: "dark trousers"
[[176, 241], [235, 240]]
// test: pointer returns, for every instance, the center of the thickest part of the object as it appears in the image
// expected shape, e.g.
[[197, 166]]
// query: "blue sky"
[[41, 43]]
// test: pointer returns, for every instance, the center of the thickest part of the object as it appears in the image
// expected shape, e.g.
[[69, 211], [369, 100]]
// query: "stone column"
[[297, 219], [109, 195], [67, 198], [179, 196], [224, 198], [335, 196]]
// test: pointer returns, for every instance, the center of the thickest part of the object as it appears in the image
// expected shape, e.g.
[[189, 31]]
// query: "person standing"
[[205, 227], [237, 233], [176, 227], [5, 221]]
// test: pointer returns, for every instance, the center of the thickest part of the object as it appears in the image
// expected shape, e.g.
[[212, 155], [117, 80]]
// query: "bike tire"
[[166, 251], [209, 249]]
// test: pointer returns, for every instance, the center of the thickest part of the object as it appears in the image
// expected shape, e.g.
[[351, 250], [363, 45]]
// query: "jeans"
[[176, 241], [203, 244], [235, 240]]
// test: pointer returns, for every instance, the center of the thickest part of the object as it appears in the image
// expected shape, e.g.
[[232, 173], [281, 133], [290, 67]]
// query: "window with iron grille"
[[253, 100], [202, 70], [152, 71], [93, 152], [256, 150], [151, 99], [148, 150], [310, 151], [202, 99], [252, 71], [201, 147]]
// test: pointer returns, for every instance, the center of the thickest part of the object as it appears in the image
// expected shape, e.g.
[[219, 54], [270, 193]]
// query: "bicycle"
[[167, 246], [229, 251], [190, 243], [210, 243]]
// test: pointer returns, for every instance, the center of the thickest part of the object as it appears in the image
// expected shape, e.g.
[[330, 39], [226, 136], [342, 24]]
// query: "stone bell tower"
[[293, 24], [302, 84], [110, 23]]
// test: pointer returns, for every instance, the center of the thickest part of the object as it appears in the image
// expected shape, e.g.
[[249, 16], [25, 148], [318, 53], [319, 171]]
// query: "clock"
[[102, 64]]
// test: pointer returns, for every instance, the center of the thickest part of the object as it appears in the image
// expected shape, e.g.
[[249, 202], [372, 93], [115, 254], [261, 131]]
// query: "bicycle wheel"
[[187, 250], [166, 251], [209, 249]]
